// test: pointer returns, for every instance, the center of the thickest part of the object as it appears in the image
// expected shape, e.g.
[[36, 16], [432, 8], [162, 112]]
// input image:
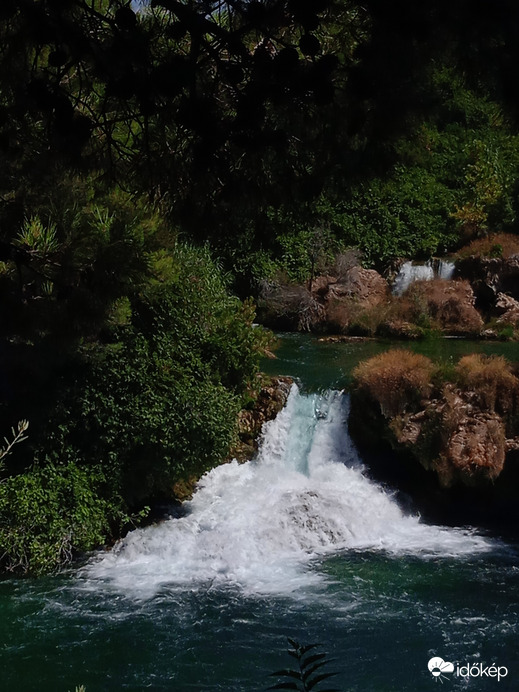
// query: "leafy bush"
[[50, 513], [117, 422], [405, 215], [159, 403], [396, 379]]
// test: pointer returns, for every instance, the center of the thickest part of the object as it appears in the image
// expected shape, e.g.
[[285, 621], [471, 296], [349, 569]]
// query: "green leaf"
[[318, 679], [308, 673], [312, 659], [287, 672]]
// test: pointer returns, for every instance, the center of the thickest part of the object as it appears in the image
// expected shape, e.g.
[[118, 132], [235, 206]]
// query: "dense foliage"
[[116, 421], [273, 134]]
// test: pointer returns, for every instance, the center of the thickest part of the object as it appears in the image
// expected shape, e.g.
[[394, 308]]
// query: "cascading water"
[[410, 272], [261, 526], [297, 543]]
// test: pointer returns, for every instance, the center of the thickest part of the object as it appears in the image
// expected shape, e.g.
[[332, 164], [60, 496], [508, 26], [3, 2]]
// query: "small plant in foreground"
[[18, 436], [306, 677]]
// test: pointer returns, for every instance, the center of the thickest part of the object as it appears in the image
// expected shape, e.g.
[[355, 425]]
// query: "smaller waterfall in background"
[[410, 272]]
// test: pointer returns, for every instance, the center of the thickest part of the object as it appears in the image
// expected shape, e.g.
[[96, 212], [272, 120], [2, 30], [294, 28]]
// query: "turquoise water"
[[318, 363], [297, 544]]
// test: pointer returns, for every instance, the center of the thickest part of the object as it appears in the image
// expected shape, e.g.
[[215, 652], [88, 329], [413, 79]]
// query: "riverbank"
[[454, 430], [470, 295], [299, 543]]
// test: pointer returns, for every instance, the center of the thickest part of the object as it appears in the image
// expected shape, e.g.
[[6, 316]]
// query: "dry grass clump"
[[340, 313], [290, 306], [449, 304], [496, 245], [349, 316], [495, 386], [397, 379]]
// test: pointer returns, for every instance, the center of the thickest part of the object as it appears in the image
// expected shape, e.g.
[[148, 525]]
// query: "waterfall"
[[264, 525], [444, 269], [410, 272]]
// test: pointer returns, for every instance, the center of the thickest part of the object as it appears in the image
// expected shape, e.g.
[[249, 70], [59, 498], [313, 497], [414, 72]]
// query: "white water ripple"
[[260, 525]]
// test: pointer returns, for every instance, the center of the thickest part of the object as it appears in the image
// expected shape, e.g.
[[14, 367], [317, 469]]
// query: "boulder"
[[508, 309], [475, 452], [321, 285], [366, 286], [490, 276]]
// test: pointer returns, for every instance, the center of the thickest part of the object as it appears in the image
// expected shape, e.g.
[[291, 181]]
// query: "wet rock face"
[[271, 399], [475, 451], [462, 431], [508, 309], [461, 443], [491, 276]]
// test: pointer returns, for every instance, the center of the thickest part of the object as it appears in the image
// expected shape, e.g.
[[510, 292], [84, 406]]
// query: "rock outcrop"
[[270, 400], [460, 443], [489, 277], [482, 302], [365, 286], [327, 304], [461, 430], [507, 309]]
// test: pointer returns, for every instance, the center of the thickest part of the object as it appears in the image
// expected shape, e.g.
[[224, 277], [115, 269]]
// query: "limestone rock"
[[491, 276], [366, 286], [508, 309], [475, 451], [321, 284], [272, 397]]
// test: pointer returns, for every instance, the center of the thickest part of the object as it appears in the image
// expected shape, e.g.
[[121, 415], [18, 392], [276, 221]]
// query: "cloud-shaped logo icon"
[[437, 667]]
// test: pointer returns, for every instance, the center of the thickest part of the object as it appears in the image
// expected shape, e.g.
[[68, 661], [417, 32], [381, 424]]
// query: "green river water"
[[298, 543]]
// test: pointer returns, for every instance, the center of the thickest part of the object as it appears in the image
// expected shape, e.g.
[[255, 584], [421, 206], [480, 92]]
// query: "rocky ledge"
[[453, 434], [360, 303], [265, 406]]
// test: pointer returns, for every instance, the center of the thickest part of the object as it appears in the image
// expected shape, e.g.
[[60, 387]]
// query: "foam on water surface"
[[261, 526]]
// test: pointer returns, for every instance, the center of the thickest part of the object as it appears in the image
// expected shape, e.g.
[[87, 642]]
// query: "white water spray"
[[410, 272], [260, 525]]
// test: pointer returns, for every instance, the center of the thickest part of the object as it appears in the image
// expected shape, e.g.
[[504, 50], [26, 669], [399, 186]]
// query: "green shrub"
[[159, 402], [116, 423], [49, 514], [405, 215]]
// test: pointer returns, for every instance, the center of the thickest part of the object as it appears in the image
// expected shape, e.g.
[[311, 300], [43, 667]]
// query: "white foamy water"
[[261, 525], [410, 272]]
